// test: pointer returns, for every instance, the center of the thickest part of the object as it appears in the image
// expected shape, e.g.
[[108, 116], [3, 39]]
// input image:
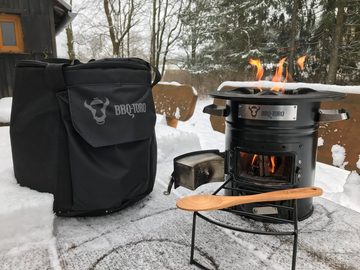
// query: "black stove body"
[[271, 142]]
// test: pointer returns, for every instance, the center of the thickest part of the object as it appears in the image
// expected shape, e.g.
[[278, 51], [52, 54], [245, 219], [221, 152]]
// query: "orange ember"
[[272, 164], [259, 68], [301, 62]]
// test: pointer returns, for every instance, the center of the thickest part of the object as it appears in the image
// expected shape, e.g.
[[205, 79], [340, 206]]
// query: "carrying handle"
[[333, 115], [157, 76], [216, 110]]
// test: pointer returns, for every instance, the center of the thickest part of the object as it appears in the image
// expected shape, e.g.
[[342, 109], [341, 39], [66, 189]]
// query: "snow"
[[358, 163], [350, 196], [178, 84], [5, 109], [331, 179], [338, 155], [177, 113], [320, 141], [173, 142], [170, 83], [199, 124], [353, 89], [25, 215]]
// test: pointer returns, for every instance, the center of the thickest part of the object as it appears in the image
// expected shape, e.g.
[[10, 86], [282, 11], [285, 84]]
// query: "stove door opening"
[[268, 168]]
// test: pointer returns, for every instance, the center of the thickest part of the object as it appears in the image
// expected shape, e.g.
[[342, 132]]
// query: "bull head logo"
[[97, 108], [254, 110]]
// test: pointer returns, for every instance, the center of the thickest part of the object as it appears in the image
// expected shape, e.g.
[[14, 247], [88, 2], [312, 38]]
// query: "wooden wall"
[[37, 19]]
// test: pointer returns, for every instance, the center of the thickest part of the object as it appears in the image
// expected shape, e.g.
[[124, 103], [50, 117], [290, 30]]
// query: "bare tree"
[[337, 41], [120, 16], [294, 30], [70, 39], [165, 29]]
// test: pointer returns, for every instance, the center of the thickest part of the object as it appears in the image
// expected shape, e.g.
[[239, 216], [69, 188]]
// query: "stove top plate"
[[248, 95]]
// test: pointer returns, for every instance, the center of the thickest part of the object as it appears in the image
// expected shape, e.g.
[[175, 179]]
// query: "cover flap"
[[112, 113]]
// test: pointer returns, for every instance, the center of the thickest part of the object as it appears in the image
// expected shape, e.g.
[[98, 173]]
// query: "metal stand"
[[294, 220]]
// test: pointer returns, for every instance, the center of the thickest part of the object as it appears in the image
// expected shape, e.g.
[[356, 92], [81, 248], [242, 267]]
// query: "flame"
[[253, 160], [259, 68], [279, 75], [301, 62], [272, 164]]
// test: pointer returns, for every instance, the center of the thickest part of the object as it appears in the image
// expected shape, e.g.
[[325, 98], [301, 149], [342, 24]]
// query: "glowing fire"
[[301, 62], [259, 68], [253, 160], [278, 76], [272, 164], [271, 160]]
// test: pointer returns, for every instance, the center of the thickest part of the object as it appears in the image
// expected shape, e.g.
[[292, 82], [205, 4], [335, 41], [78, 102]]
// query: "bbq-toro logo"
[[268, 112], [130, 109], [273, 114], [254, 110], [97, 107]]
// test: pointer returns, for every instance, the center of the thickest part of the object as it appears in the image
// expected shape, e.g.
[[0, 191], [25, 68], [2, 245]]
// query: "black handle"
[[333, 115], [217, 110], [157, 76]]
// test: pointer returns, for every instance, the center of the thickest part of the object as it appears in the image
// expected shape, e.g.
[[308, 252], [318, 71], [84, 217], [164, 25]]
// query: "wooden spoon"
[[216, 202]]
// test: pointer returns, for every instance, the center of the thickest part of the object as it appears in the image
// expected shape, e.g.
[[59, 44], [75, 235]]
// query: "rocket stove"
[[271, 142]]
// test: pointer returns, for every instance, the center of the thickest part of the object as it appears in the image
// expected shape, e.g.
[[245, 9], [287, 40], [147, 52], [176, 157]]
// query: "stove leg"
[[293, 266], [295, 216], [193, 240]]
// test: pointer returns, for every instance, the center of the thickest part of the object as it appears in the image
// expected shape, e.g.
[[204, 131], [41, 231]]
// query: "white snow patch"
[[5, 109], [173, 142], [350, 196], [358, 163], [338, 155], [170, 83], [353, 89], [200, 124], [320, 141], [177, 113], [26, 215], [331, 179], [161, 120]]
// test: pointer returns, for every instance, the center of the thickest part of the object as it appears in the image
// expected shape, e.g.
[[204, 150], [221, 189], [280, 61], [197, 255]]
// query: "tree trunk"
[[193, 48], [153, 34], [293, 35], [337, 40], [128, 44], [116, 45], [70, 40]]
